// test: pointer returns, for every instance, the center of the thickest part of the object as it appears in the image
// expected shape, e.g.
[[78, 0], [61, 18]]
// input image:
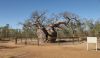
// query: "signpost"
[[92, 40]]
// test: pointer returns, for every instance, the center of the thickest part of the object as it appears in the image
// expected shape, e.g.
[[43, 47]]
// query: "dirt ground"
[[10, 50]]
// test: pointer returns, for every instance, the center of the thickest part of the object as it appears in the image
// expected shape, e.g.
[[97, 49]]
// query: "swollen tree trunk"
[[47, 36], [52, 36], [41, 36], [52, 33]]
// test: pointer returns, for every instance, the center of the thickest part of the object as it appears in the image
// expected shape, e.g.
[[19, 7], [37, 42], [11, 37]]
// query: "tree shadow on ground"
[[8, 47], [66, 41], [98, 49], [13, 57]]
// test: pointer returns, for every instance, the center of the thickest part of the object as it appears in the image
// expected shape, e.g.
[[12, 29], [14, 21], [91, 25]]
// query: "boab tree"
[[46, 31]]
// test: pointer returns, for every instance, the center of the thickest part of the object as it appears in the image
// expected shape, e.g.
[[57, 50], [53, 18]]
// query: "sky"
[[14, 11]]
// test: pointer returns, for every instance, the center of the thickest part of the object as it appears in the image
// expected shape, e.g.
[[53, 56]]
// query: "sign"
[[92, 40]]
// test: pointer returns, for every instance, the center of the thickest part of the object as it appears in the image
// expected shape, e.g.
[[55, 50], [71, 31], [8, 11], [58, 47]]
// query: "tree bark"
[[52, 37]]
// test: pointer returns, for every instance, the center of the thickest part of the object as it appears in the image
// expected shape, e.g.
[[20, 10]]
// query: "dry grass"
[[47, 51]]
